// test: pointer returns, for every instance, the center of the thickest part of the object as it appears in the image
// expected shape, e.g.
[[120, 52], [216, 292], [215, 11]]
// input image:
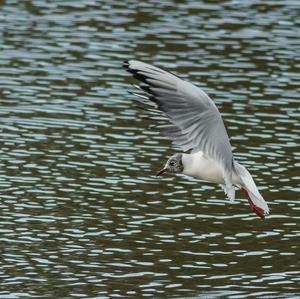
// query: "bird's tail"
[[250, 191]]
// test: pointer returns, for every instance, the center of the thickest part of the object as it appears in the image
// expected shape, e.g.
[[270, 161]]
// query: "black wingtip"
[[126, 64]]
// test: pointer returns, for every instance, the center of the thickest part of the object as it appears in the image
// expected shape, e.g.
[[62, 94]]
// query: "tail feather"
[[250, 191], [229, 191]]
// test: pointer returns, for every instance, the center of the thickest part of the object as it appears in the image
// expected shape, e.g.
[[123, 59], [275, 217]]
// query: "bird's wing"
[[195, 122]]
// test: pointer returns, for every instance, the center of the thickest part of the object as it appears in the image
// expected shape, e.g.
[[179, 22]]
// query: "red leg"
[[260, 212]]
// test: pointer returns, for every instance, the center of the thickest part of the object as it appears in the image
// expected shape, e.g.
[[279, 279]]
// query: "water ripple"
[[82, 213]]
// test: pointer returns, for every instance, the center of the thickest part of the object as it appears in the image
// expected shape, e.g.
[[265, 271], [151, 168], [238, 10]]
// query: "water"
[[82, 215]]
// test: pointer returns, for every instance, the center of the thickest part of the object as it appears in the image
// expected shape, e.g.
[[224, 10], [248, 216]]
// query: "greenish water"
[[82, 214]]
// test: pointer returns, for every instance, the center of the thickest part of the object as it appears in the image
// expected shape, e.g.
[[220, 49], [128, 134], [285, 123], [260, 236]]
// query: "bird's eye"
[[172, 163]]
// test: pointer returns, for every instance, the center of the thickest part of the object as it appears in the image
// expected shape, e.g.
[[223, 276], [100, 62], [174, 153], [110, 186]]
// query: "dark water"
[[82, 215]]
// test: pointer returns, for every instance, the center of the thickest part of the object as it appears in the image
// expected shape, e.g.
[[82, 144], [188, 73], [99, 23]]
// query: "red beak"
[[161, 171]]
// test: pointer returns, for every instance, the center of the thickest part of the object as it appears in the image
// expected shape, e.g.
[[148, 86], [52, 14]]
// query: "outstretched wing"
[[195, 122]]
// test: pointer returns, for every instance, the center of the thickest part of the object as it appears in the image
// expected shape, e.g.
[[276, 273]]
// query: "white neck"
[[199, 166]]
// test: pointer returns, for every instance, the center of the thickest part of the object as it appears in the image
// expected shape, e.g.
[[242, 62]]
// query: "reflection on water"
[[81, 213]]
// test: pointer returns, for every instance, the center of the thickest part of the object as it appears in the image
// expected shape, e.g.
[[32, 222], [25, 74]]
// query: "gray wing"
[[194, 120]]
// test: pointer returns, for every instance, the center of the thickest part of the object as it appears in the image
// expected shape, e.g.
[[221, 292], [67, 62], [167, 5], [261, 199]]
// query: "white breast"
[[207, 169], [197, 165]]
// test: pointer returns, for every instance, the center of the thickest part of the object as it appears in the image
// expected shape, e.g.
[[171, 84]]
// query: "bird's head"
[[174, 164]]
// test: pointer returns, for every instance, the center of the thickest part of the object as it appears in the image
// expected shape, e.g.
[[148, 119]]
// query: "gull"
[[195, 125]]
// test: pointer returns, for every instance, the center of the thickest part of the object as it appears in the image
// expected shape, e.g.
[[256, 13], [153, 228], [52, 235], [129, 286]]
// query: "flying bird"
[[194, 124]]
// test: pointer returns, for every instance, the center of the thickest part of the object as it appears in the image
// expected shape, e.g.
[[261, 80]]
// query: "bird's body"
[[204, 168], [194, 123]]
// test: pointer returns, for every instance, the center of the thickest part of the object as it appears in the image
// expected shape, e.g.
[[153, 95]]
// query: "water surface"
[[82, 214]]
